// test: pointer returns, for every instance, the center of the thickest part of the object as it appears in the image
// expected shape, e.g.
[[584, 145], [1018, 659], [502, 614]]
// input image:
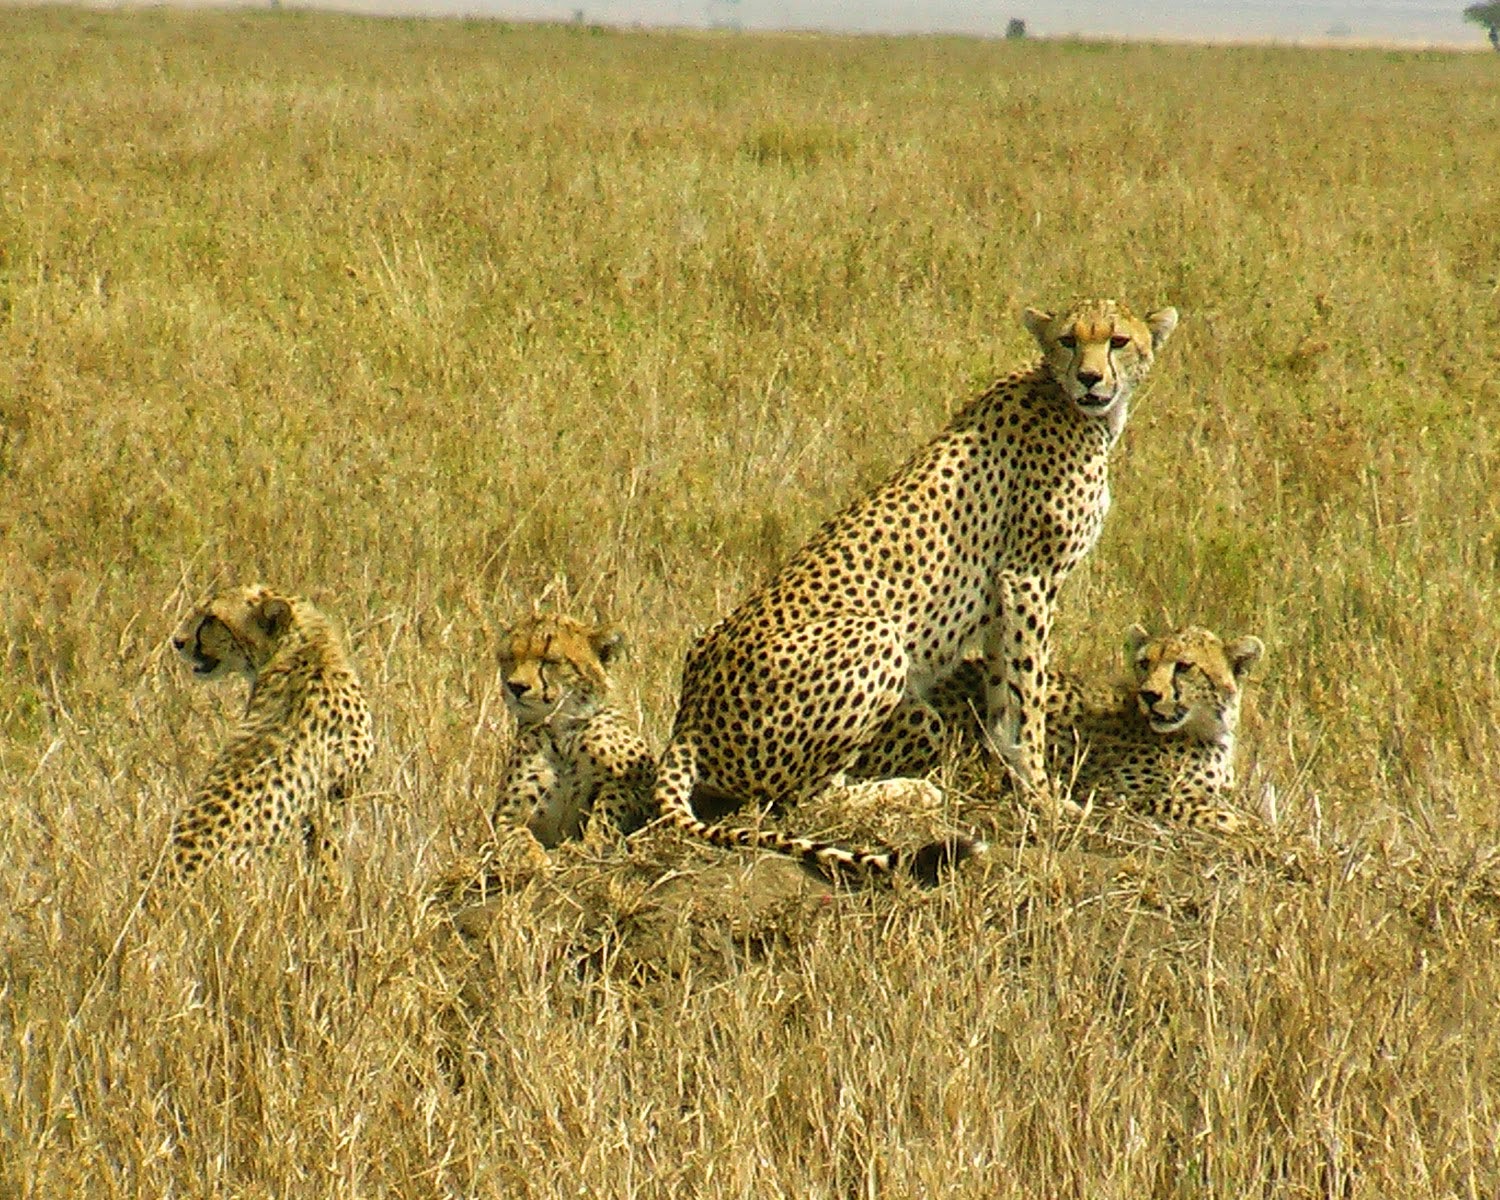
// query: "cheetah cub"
[[576, 760], [1163, 745], [305, 737]]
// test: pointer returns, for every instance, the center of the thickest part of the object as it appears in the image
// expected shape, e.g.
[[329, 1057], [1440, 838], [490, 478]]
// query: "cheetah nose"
[[1150, 699], [517, 687], [178, 643], [1089, 378]]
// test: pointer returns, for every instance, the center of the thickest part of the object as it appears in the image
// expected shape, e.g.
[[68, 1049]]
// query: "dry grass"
[[404, 315]]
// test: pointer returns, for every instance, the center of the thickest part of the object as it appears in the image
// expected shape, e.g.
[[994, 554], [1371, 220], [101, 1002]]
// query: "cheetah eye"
[[1119, 342], [1067, 341], [1182, 668]]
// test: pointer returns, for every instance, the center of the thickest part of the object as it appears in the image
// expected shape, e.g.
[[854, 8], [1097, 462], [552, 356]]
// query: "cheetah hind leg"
[[1195, 810], [321, 845], [900, 793], [678, 782], [910, 743], [824, 739], [891, 770]]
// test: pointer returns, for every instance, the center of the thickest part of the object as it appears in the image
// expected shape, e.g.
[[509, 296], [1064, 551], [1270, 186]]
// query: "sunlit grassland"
[[427, 320]]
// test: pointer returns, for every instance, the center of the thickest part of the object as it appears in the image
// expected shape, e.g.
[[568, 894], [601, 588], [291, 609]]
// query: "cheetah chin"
[[1169, 724]]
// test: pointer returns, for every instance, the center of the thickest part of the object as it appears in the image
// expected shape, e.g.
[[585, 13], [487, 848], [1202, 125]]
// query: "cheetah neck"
[[1034, 388], [291, 650], [302, 654], [1114, 420]]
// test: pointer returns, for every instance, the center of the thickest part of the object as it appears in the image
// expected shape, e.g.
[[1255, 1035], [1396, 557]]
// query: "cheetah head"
[[235, 632], [553, 665], [1098, 351], [1189, 681]]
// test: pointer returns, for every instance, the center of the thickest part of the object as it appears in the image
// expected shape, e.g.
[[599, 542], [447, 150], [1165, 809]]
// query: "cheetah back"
[[304, 739]]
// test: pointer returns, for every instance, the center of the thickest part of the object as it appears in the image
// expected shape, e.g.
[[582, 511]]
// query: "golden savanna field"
[[429, 320]]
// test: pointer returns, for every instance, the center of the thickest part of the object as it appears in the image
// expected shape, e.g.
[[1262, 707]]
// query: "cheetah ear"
[[607, 643], [1037, 323], [274, 616], [1135, 637], [1161, 323], [1243, 653]]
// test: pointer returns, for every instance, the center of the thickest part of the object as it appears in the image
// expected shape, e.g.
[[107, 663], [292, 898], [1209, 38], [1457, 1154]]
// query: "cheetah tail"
[[674, 789]]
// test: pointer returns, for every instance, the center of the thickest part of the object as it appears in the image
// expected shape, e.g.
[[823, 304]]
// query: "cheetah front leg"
[[621, 804], [1017, 649], [530, 791]]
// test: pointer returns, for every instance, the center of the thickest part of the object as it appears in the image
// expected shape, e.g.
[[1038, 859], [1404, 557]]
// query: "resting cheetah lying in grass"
[[969, 542], [304, 739], [576, 760], [1164, 746]]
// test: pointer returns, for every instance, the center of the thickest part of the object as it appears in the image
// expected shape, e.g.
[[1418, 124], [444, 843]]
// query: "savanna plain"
[[432, 320]]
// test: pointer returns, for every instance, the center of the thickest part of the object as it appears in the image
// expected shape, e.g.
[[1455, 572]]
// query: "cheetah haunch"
[[295, 754], [967, 543]]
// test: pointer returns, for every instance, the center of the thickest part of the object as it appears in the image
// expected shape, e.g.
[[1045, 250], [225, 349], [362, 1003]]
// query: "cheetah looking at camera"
[[968, 543], [305, 737], [576, 760], [1162, 746]]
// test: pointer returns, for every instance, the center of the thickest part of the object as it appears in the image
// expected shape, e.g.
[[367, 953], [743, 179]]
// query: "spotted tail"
[[675, 782]]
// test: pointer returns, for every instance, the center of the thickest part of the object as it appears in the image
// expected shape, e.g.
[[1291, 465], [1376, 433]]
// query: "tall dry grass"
[[415, 317]]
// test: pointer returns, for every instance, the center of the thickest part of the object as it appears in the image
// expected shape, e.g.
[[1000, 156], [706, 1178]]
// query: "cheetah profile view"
[[575, 759], [969, 542], [305, 736], [1163, 745]]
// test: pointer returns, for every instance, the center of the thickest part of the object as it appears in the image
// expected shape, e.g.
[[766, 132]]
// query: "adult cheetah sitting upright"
[[576, 759], [968, 542], [304, 738], [1163, 745]]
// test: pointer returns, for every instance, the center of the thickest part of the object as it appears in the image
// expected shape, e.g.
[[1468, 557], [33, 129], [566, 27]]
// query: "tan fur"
[[304, 739], [968, 543]]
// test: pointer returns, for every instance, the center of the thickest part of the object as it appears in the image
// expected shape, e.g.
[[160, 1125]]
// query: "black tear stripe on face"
[[543, 667], [203, 662]]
